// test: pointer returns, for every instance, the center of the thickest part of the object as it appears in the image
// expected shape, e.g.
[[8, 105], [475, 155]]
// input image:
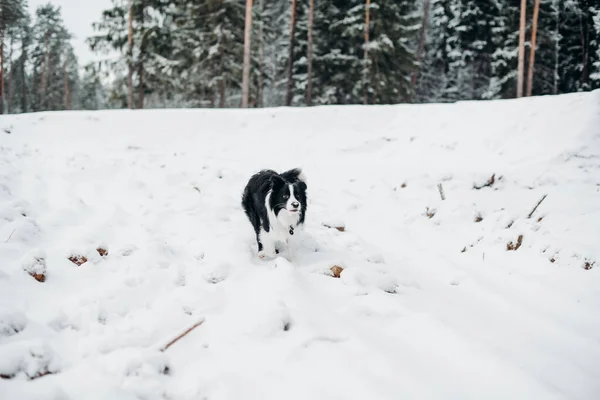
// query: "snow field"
[[412, 314]]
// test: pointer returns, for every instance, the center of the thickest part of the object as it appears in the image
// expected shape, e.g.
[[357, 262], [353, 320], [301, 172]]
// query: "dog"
[[275, 204]]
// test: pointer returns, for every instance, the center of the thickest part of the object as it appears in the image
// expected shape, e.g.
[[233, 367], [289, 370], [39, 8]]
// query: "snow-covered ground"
[[425, 308]]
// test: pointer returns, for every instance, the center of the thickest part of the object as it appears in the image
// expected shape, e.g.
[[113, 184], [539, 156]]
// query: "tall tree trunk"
[[246, 68], [10, 78], [309, 51], [2, 29], [290, 67], [422, 37], [45, 69], [366, 67], [140, 100], [261, 55], [585, 46], [536, 12], [556, 46], [67, 91], [130, 56], [222, 80], [23, 82], [521, 65]]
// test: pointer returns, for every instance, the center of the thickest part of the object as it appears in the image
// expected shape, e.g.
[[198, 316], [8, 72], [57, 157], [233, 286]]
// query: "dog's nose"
[[295, 204]]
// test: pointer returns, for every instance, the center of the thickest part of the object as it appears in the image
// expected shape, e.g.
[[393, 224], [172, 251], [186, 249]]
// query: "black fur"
[[255, 193]]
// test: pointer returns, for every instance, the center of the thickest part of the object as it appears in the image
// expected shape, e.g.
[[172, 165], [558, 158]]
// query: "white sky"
[[78, 16]]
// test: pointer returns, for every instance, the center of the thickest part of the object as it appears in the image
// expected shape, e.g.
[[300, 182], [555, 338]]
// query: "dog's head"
[[288, 192]]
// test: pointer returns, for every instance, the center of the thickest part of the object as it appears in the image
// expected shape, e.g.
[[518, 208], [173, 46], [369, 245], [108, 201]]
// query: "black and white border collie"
[[275, 205]]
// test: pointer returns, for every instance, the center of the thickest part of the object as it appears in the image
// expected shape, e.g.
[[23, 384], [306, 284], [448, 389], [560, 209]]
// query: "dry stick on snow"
[[489, 183], [536, 206], [6, 241], [441, 190], [172, 342]]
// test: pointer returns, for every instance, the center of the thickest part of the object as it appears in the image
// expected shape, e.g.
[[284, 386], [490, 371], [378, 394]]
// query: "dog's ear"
[[276, 182], [294, 175]]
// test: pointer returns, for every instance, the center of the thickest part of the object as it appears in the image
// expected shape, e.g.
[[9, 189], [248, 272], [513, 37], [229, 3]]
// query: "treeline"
[[38, 70], [190, 53]]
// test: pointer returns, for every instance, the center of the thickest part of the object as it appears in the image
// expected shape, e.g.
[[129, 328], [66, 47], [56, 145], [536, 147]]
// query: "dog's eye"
[[285, 197]]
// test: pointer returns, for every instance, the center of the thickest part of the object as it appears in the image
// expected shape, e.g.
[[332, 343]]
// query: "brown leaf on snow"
[[510, 246], [337, 271], [78, 259]]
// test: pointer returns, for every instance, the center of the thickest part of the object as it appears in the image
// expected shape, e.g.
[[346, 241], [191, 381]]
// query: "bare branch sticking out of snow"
[[536, 206], [172, 342], [340, 226], [489, 183], [6, 241], [441, 190]]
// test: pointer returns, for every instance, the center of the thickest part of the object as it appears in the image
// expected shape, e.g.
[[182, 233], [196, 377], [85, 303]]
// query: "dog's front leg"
[[266, 245]]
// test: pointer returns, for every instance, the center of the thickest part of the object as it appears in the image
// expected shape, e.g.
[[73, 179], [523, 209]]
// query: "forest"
[[265, 53]]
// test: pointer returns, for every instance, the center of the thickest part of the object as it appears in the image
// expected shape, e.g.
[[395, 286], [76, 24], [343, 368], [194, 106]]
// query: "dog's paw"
[[263, 255]]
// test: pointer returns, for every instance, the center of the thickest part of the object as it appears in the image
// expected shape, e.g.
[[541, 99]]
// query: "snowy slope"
[[425, 308]]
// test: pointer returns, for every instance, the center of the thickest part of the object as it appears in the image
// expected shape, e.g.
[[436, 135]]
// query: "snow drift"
[[121, 229]]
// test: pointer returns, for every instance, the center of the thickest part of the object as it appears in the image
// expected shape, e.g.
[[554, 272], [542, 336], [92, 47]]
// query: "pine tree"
[[50, 44], [596, 75], [147, 62], [434, 67], [475, 24], [21, 79], [207, 52], [93, 92], [11, 12]]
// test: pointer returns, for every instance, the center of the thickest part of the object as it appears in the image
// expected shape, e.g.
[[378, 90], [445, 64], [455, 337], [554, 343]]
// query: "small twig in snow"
[[489, 183], [441, 190], [6, 241], [172, 342], [536, 206]]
